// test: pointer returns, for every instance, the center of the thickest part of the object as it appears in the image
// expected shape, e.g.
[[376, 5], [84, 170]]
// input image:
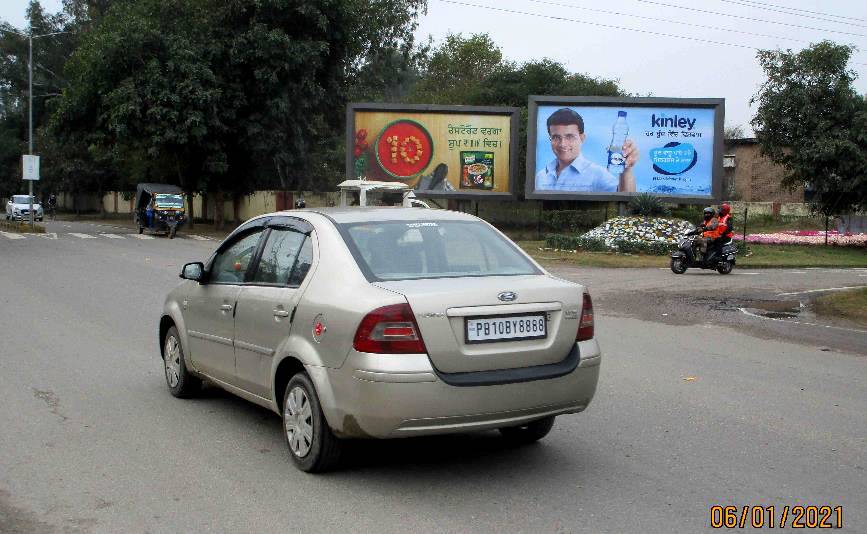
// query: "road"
[[690, 412]]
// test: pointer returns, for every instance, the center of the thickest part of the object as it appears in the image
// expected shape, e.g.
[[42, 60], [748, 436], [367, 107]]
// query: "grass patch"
[[590, 259], [803, 256], [850, 305], [21, 227], [762, 256]]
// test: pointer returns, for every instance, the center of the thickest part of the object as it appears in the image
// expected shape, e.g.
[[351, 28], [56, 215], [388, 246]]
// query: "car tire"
[[312, 445], [180, 381], [529, 432]]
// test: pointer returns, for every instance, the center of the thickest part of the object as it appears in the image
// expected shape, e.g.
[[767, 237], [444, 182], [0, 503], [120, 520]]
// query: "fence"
[[512, 215]]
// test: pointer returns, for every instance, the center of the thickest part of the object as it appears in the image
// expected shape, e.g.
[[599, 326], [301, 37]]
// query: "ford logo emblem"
[[507, 296]]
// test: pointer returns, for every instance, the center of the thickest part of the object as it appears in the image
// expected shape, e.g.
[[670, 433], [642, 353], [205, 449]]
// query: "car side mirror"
[[193, 271]]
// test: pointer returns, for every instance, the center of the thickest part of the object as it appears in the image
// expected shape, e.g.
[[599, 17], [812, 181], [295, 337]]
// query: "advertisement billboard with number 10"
[[439, 151]]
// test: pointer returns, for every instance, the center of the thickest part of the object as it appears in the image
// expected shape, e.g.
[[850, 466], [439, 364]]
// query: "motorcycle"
[[721, 257]]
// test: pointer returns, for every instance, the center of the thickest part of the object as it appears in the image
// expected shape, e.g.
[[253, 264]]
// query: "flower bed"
[[640, 229], [807, 237], [628, 235]]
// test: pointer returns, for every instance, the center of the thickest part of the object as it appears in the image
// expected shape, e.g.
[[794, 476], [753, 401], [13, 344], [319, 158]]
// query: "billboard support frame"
[[514, 124], [534, 101]]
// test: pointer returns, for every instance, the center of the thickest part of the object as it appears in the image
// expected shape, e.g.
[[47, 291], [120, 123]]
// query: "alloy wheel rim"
[[298, 417], [173, 361]]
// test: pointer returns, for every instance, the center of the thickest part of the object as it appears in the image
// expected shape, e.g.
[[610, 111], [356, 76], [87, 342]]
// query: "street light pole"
[[30, 114]]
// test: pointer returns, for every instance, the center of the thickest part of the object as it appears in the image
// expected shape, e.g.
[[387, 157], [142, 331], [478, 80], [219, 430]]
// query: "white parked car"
[[18, 208]]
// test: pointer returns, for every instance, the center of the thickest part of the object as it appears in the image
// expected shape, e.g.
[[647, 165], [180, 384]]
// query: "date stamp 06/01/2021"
[[799, 516]]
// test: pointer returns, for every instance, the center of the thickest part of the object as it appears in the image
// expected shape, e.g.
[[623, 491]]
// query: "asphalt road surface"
[[702, 401]]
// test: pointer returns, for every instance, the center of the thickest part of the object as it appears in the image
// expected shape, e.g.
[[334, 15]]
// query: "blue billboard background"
[[684, 167]]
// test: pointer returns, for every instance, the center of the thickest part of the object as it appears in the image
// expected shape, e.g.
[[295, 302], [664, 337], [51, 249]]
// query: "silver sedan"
[[381, 323]]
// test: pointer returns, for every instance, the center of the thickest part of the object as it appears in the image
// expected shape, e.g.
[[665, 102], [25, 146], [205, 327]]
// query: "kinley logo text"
[[671, 122]]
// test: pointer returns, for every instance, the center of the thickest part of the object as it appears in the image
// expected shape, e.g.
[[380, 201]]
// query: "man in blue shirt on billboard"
[[570, 171]]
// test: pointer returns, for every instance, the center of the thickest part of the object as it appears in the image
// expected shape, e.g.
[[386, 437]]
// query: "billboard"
[[439, 151], [611, 148]]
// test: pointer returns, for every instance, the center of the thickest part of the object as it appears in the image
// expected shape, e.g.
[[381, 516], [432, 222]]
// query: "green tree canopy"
[[226, 95], [811, 121]]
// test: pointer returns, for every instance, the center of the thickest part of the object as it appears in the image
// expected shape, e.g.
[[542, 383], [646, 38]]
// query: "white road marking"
[[745, 312], [199, 237], [797, 272], [818, 290], [112, 236], [738, 272], [83, 236], [11, 235], [49, 235], [141, 236]]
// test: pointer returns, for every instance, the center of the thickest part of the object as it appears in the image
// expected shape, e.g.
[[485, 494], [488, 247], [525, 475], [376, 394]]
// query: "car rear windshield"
[[401, 250]]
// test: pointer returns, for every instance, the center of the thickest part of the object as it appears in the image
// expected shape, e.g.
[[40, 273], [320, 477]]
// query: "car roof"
[[364, 214]]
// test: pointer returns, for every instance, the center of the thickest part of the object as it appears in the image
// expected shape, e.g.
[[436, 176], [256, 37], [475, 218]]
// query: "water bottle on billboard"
[[616, 161]]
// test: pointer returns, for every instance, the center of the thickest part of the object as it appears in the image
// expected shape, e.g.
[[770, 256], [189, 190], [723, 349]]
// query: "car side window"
[[302, 263], [285, 258], [231, 264]]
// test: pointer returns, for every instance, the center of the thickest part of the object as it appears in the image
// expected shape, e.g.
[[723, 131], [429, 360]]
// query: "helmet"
[[725, 209], [708, 213]]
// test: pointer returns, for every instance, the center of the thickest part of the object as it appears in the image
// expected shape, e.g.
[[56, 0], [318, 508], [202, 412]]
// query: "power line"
[[602, 25], [805, 10], [768, 7], [748, 18], [667, 20]]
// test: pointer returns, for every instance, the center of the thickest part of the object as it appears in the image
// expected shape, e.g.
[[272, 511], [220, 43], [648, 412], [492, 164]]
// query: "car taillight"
[[389, 330], [585, 326]]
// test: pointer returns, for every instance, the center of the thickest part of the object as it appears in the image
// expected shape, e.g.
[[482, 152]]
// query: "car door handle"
[[226, 307], [281, 313]]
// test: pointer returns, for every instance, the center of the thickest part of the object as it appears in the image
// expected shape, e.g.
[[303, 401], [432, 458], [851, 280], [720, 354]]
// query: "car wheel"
[[678, 265], [179, 380], [725, 267], [529, 432], [312, 445]]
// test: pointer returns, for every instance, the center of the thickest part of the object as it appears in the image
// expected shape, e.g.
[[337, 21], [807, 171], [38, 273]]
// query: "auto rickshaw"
[[159, 208]]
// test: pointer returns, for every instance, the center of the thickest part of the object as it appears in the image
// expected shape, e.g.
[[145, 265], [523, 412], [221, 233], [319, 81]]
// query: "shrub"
[[648, 205], [571, 220], [693, 213], [568, 242]]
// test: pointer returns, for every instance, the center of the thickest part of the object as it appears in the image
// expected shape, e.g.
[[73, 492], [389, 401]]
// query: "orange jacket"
[[725, 225], [712, 229]]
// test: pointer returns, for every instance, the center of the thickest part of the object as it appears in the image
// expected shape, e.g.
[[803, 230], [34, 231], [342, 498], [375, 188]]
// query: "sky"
[[708, 49]]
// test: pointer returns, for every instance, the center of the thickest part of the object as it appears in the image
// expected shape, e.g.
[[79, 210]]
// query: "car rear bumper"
[[383, 396]]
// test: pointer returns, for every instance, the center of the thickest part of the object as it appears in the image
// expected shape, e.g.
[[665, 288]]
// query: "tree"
[[456, 69], [224, 96], [811, 121], [471, 70], [733, 131]]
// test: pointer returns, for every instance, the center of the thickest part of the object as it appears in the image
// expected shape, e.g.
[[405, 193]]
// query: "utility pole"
[[30, 115]]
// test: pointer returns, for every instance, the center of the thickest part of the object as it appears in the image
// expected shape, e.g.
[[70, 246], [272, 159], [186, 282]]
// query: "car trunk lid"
[[493, 322]]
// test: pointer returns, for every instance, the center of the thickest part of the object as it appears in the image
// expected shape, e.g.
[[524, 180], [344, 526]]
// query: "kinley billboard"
[[439, 151], [608, 148]]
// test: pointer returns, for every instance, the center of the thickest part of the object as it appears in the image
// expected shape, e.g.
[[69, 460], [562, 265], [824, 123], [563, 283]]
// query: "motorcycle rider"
[[705, 229], [723, 231]]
